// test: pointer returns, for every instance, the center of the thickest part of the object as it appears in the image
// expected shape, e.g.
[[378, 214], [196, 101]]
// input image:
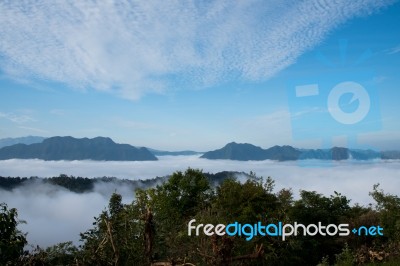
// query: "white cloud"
[[135, 47]]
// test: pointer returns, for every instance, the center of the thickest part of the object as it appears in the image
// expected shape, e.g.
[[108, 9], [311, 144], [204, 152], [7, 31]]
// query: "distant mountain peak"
[[70, 148]]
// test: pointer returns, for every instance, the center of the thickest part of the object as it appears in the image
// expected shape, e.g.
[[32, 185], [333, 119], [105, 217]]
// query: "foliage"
[[12, 241], [345, 258], [115, 238], [59, 254], [389, 211]]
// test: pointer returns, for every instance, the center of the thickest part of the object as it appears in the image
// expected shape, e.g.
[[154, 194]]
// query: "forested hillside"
[[69, 148], [153, 229]]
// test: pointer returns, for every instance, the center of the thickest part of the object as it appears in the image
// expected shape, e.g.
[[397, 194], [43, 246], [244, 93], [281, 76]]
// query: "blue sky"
[[196, 75]]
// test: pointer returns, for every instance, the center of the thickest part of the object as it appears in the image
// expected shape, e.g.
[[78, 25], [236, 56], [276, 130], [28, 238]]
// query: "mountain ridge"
[[59, 148], [21, 140], [69, 148], [173, 153], [247, 152]]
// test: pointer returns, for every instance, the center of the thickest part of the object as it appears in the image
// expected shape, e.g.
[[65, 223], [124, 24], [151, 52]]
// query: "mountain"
[[23, 140], [235, 151], [282, 153], [69, 148], [173, 153], [391, 155], [246, 152], [335, 153], [367, 154]]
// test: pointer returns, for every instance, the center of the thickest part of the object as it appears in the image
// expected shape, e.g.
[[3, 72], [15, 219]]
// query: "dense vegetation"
[[153, 229]]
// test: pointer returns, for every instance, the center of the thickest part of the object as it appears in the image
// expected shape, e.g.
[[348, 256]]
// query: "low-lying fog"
[[54, 214]]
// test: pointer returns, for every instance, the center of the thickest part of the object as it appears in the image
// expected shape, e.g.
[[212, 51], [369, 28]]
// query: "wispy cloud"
[[33, 129], [379, 79], [135, 47], [308, 111], [393, 50], [16, 118]]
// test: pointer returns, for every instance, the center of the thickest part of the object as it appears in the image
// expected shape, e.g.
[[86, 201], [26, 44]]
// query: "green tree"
[[60, 254], [12, 241], [117, 236], [173, 204], [246, 202], [388, 207], [312, 208]]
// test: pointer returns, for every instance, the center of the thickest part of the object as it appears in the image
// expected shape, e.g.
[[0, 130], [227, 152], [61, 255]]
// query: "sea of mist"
[[54, 214]]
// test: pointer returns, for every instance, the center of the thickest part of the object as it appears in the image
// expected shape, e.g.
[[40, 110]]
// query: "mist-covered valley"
[[55, 214]]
